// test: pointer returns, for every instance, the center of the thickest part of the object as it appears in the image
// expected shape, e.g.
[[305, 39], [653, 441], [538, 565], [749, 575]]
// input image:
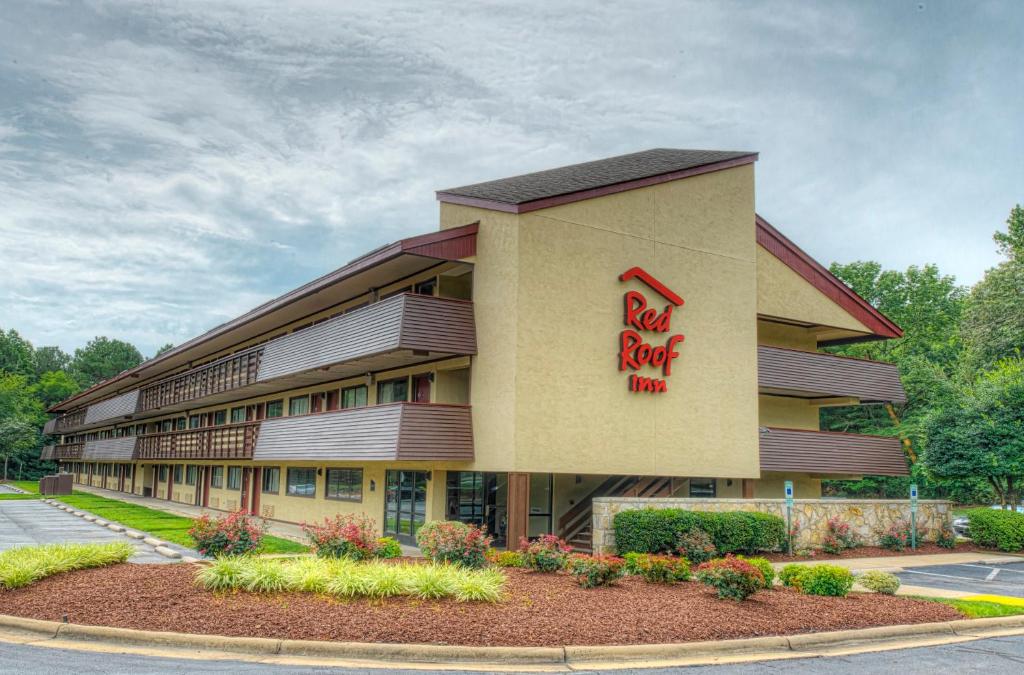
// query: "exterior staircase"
[[577, 523]]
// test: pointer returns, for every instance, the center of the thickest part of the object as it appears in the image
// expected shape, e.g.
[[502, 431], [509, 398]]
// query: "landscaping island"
[[538, 610]]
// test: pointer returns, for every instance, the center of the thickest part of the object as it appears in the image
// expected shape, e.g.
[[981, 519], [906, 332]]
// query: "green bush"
[[591, 571], [947, 537], [662, 569], [449, 541], [993, 528], [659, 530], [763, 566], [506, 558], [27, 564], [732, 578], [633, 561], [791, 575], [830, 580], [546, 553], [388, 547], [696, 546], [879, 582]]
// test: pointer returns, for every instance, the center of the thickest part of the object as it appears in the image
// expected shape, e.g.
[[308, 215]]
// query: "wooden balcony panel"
[[69, 451], [70, 420], [50, 427], [234, 441], [817, 375], [113, 408], [829, 452], [396, 431], [48, 453], [110, 449], [231, 372]]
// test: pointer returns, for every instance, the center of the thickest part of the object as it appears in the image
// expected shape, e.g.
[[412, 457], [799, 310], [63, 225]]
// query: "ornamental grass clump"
[[838, 536], [351, 536], [237, 533], [879, 582], [732, 578], [547, 553], [455, 543], [591, 571], [264, 576], [27, 564]]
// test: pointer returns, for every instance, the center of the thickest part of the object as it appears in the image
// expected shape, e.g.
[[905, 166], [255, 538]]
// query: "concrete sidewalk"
[[276, 528]]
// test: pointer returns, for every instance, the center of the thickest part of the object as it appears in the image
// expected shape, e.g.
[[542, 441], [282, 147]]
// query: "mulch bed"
[[541, 610], [876, 552]]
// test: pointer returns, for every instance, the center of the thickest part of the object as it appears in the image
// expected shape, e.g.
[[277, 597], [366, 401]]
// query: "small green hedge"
[[997, 529], [657, 530]]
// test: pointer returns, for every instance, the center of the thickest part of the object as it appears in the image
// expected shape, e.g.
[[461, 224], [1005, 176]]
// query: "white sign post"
[[913, 516], [789, 515]]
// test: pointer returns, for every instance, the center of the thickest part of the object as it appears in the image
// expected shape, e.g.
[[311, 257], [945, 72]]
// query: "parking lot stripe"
[[936, 574], [988, 567], [992, 574]]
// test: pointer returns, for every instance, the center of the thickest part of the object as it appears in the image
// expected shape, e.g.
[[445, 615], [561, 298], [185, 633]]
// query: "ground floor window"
[[234, 478], [479, 499], [345, 484], [177, 473], [191, 474], [301, 482], [540, 504], [702, 487], [271, 479], [217, 476], [162, 473]]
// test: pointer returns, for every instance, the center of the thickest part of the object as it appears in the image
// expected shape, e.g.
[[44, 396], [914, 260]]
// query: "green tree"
[[166, 348], [15, 354], [101, 359], [54, 387], [979, 432], [1011, 242], [50, 359], [21, 416]]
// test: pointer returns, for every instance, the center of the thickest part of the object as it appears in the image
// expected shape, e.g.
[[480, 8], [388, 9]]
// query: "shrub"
[[997, 529], [838, 536], [591, 571], [24, 565], [633, 561], [506, 558], [659, 530], [237, 533], [830, 580], [732, 578], [896, 537], [879, 582], [547, 553], [388, 548], [792, 574], [946, 537], [764, 567], [696, 546], [662, 569], [449, 541], [343, 536]]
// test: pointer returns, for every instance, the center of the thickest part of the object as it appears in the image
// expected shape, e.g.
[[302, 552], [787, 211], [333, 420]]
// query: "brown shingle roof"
[[601, 173]]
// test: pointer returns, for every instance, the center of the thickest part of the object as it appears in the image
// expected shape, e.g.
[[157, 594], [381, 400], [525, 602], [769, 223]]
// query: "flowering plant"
[[596, 570], [896, 537], [237, 533], [732, 578], [662, 569], [547, 553], [449, 541], [838, 536], [344, 536], [696, 546]]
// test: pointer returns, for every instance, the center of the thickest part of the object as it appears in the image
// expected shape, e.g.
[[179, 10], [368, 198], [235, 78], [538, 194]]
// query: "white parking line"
[[992, 574], [988, 567], [936, 574]]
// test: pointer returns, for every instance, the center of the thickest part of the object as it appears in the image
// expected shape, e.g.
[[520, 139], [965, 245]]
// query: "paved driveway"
[[31, 522], [1005, 579]]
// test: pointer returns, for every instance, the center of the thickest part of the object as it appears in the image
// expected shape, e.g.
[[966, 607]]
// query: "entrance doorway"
[[479, 499], [405, 504]]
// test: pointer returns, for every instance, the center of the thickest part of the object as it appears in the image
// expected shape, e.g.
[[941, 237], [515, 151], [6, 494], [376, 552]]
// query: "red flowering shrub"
[[662, 569], [344, 536], [449, 541], [734, 579], [897, 536], [838, 536], [596, 570], [237, 533], [547, 553]]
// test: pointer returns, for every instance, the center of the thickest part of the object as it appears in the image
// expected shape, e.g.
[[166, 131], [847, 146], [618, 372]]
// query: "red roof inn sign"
[[635, 352]]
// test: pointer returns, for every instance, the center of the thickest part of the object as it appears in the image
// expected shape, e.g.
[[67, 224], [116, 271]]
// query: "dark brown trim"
[[570, 197], [518, 508], [830, 452], [815, 274]]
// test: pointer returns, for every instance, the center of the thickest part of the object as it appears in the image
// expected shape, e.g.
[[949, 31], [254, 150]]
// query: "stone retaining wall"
[[865, 516]]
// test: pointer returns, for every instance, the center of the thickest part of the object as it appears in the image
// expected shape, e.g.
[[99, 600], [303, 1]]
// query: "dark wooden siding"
[[112, 408], [790, 450], [225, 374], [110, 449], [49, 453], [50, 427], [414, 431], [69, 450], [828, 375], [232, 441], [438, 325]]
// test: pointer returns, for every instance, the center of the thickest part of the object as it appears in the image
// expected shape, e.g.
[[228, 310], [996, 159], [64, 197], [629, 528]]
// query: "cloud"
[[166, 166]]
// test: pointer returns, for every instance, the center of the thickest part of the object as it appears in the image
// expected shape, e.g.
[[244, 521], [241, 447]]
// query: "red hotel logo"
[[634, 351]]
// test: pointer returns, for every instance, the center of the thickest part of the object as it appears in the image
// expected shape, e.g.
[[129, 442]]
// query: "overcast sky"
[[166, 166]]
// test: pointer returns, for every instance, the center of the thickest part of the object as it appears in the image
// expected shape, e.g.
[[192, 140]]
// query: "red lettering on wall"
[[634, 351]]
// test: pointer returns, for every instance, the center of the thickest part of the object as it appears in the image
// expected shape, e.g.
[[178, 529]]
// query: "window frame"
[[179, 473], [392, 381], [267, 471], [234, 478], [293, 400], [238, 409], [288, 488], [355, 389], [217, 477], [191, 474], [279, 403], [355, 496]]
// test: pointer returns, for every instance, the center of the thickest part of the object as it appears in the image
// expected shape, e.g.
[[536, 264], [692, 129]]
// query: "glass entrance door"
[[405, 504], [479, 499]]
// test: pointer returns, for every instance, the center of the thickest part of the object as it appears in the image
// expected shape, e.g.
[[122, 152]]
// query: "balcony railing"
[[816, 375], [232, 372], [831, 453], [70, 421], [234, 441], [69, 451]]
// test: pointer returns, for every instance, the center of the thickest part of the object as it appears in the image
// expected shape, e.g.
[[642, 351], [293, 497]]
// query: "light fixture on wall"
[[430, 475], [728, 481], [319, 471], [373, 485]]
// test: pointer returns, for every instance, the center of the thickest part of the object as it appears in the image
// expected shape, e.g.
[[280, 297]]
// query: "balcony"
[[69, 451], [812, 375], [110, 450], [829, 452], [394, 432], [48, 453], [234, 441], [397, 332]]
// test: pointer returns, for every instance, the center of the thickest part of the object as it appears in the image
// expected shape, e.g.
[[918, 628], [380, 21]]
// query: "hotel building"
[[628, 326]]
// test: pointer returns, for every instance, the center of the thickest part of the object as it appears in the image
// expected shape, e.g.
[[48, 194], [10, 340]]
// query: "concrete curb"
[[160, 547], [751, 649]]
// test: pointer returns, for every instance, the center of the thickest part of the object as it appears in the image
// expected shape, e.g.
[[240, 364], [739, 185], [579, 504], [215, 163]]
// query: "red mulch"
[[541, 610], [874, 552]]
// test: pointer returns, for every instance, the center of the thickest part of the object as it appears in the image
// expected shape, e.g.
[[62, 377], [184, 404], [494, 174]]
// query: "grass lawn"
[[978, 609], [161, 525], [30, 486]]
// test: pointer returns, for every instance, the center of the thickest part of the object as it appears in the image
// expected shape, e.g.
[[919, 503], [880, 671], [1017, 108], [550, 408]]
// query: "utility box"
[[55, 485]]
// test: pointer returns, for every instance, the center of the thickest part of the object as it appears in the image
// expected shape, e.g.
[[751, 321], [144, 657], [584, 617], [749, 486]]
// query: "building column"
[[518, 508], [748, 488], [257, 486], [207, 471]]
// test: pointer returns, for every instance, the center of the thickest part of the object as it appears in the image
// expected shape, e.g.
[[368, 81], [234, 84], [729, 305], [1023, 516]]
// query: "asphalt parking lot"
[[31, 522], [997, 579]]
